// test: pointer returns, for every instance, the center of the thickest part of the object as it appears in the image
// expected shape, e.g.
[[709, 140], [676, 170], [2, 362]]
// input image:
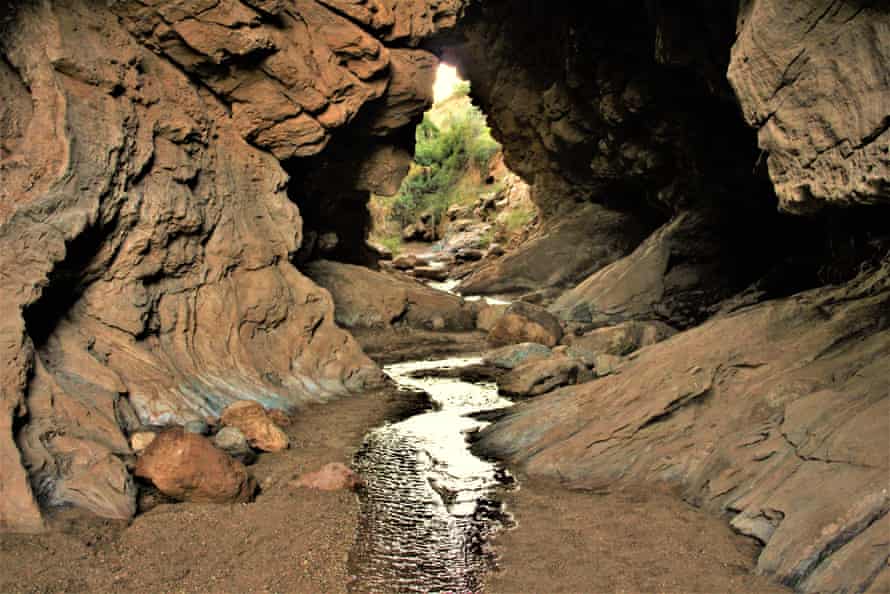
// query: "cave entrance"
[[459, 201]]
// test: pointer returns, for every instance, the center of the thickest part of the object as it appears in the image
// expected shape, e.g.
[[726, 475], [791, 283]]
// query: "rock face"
[[808, 81], [147, 226], [187, 467], [260, 431], [524, 322], [775, 415]]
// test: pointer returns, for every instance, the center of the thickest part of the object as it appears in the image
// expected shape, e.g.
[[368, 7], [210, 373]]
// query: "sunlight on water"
[[427, 507]]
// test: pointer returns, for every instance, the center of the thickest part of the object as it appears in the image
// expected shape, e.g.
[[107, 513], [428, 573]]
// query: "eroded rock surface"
[[776, 415], [146, 230]]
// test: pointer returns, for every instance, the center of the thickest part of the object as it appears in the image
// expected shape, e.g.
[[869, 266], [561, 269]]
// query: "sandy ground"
[[622, 542], [297, 540]]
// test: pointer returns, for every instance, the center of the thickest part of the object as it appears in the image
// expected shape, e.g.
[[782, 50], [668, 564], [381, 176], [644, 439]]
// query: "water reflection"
[[426, 511]]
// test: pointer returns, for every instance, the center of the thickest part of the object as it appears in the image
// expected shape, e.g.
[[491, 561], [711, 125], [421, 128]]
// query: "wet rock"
[[495, 250], [539, 376], [334, 476], [141, 440], [199, 427], [187, 467], [434, 273], [524, 322], [512, 356], [251, 419]]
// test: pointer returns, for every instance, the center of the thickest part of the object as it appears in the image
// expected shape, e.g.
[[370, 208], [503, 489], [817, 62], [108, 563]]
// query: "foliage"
[[518, 218], [392, 242], [444, 155]]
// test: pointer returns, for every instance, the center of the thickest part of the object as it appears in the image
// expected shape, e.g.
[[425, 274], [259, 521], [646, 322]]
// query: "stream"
[[429, 505]]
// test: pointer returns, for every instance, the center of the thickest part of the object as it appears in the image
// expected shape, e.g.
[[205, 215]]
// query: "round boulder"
[[524, 322], [187, 467]]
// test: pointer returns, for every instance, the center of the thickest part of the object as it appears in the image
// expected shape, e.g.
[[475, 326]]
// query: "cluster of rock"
[[205, 462]]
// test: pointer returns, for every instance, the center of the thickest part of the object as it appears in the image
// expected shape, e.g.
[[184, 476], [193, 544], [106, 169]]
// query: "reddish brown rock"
[[251, 419], [280, 417], [540, 375], [524, 322], [330, 477], [187, 467]]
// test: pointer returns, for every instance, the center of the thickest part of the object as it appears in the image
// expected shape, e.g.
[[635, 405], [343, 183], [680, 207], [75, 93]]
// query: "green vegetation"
[[452, 141], [518, 218]]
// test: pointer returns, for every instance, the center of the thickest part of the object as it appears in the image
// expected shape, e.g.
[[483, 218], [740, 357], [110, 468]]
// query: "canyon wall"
[[168, 166], [146, 231]]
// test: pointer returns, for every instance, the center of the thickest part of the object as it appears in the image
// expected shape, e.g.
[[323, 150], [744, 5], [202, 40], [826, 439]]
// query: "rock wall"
[[146, 232]]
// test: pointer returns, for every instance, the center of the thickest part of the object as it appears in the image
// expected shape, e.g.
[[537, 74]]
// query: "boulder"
[[514, 355], [434, 273], [469, 255], [406, 262], [538, 376], [334, 476], [621, 339], [488, 315], [605, 364], [251, 419], [187, 467], [233, 442], [368, 299], [524, 322], [280, 417], [565, 250]]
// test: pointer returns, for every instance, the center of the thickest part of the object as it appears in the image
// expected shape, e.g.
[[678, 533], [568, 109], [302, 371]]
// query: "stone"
[[495, 250], [512, 356], [537, 376], [406, 262], [141, 440], [524, 322], [251, 419], [368, 299], [469, 255], [434, 273], [187, 467], [327, 242], [280, 417], [199, 427], [334, 476], [233, 442], [621, 339], [489, 314]]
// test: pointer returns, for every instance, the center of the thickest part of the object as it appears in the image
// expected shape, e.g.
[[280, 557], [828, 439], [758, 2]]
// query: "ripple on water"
[[427, 508]]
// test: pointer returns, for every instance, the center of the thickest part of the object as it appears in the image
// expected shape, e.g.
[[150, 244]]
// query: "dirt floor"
[[297, 540], [579, 541]]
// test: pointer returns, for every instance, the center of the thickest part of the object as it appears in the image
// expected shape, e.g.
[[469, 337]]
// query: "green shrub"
[[443, 156]]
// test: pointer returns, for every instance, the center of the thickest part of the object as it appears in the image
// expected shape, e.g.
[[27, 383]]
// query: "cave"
[[686, 219]]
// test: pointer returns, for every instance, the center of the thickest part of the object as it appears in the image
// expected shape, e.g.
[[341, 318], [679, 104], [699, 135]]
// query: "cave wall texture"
[[167, 166]]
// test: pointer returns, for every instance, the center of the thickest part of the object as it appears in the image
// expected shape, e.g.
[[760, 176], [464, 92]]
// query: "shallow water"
[[428, 505], [449, 286]]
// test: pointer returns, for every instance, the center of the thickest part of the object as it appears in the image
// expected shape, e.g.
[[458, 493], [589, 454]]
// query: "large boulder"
[[524, 322], [251, 419], [621, 339], [187, 467], [368, 299], [538, 376], [560, 254]]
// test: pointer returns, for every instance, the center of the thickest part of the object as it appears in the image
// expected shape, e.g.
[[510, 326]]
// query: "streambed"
[[429, 504]]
